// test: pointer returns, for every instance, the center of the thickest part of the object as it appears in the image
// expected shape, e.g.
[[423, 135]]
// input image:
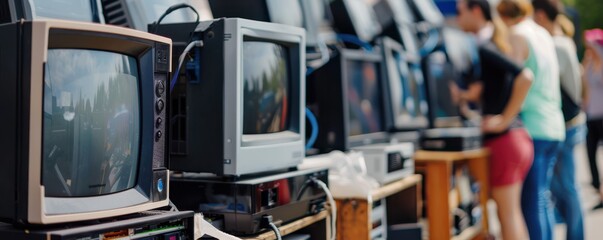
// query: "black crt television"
[[243, 110], [82, 10], [346, 95], [85, 110], [137, 14], [355, 17], [406, 88]]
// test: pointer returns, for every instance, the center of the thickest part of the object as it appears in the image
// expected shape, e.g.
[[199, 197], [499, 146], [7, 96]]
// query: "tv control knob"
[[159, 88], [158, 135], [158, 122], [160, 105]]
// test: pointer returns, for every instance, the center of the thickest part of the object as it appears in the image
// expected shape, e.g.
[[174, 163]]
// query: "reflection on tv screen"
[[266, 86], [409, 99], [364, 97], [91, 133]]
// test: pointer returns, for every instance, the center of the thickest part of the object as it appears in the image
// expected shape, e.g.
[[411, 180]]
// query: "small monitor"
[[137, 14], [287, 12], [244, 111], [346, 95], [82, 10], [364, 95], [87, 133], [355, 17], [439, 75], [407, 95]]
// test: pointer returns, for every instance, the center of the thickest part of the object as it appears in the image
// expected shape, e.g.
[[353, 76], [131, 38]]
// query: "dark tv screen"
[[91, 126], [409, 98], [266, 88], [364, 97]]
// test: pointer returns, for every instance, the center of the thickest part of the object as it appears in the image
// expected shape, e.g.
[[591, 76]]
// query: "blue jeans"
[[564, 186], [536, 195]]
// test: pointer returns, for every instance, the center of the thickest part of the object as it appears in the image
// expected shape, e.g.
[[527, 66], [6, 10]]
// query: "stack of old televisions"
[[95, 113], [85, 153]]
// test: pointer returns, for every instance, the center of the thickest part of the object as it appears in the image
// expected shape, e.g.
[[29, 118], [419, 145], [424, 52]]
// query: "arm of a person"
[[520, 50], [521, 86]]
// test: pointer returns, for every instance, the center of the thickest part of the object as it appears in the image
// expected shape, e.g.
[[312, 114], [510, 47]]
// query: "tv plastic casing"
[[327, 98], [14, 10], [214, 140], [137, 14], [23, 57], [347, 17]]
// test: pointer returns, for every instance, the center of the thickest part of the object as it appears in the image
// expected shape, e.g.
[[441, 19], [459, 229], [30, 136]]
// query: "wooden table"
[[438, 171], [317, 226], [404, 202]]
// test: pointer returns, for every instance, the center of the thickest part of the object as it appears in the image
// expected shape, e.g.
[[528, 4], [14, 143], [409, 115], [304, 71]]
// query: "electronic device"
[[388, 162], [407, 91], [85, 10], [451, 139], [409, 231], [355, 17], [243, 110], [346, 96], [149, 225], [397, 21], [379, 220], [86, 118], [138, 14], [286, 12], [240, 205], [427, 11], [311, 15]]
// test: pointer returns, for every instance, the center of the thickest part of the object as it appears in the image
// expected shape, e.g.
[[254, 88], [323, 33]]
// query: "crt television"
[[84, 108], [406, 91], [81, 10], [346, 95], [355, 17], [137, 14], [243, 112]]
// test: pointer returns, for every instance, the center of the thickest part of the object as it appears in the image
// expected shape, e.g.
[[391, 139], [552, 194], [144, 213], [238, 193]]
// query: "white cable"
[[197, 43], [324, 50], [324, 187], [174, 208], [276, 231]]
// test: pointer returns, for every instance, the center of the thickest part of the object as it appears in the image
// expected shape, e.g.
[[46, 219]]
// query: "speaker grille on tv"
[[114, 13]]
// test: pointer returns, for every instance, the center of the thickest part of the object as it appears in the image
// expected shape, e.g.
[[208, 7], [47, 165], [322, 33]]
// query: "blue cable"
[[431, 43], [355, 40], [174, 79], [314, 124]]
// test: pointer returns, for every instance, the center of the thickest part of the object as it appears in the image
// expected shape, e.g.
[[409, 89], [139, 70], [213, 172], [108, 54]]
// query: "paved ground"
[[593, 220]]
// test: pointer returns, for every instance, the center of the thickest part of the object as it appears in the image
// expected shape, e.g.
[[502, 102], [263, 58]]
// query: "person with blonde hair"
[[564, 187], [501, 90], [533, 47]]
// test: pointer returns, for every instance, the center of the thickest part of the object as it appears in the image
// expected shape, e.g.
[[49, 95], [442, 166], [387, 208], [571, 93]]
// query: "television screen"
[[91, 133], [364, 97], [409, 99], [266, 86], [83, 10], [440, 77]]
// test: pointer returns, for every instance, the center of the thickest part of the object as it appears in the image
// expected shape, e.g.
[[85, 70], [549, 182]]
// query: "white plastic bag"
[[348, 177], [203, 227]]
